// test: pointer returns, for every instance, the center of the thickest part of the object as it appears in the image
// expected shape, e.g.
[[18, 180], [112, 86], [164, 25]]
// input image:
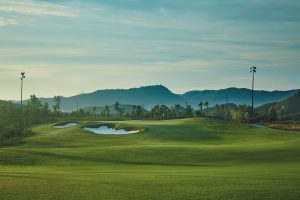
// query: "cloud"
[[35, 8], [7, 22]]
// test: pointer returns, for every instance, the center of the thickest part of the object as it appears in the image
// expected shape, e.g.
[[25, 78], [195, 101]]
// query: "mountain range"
[[150, 96], [237, 96], [290, 107]]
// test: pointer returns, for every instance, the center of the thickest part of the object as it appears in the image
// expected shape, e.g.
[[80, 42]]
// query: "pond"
[[107, 130]]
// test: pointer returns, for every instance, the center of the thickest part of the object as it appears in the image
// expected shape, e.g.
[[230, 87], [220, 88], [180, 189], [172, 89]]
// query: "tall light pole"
[[253, 71], [226, 106], [22, 77], [77, 103]]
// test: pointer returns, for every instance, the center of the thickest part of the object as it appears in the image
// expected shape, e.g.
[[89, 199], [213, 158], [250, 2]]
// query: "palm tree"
[[200, 107], [56, 107], [164, 110], [139, 111], [133, 112], [94, 109], [177, 107], [117, 107], [106, 110], [206, 104]]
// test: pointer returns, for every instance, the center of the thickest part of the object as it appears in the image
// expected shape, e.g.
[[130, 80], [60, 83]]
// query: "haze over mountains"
[[290, 106], [150, 96], [237, 96]]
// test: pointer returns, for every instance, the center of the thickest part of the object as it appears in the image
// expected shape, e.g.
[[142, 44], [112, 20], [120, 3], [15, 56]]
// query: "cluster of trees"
[[57, 102], [11, 126], [201, 112], [242, 114], [10, 121], [222, 112], [36, 112], [115, 111], [137, 112], [272, 114], [162, 112]]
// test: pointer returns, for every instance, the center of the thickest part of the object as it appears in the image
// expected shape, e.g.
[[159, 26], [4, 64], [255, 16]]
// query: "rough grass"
[[286, 126], [176, 159]]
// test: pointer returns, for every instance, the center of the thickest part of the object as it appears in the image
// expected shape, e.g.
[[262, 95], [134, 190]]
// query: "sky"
[[69, 47]]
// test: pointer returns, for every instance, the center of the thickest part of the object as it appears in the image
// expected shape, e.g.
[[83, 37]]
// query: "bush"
[[242, 114]]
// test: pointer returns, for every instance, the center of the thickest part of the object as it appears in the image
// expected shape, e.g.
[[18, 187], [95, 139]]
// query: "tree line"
[[35, 112], [11, 126]]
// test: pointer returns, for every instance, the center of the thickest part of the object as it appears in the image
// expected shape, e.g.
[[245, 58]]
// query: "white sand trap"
[[106, 130], [68, 125]]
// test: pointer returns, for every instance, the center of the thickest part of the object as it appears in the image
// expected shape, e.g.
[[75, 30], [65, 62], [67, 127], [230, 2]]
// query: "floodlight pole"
[[77, 103], [253, 71], [22, 77]]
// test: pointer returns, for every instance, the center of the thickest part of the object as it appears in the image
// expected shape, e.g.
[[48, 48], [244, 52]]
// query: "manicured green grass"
[[176, 159]]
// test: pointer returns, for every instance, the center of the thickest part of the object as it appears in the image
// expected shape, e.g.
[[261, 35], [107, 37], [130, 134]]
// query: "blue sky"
[[67, 47]]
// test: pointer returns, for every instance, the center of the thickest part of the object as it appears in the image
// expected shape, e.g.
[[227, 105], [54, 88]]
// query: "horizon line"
[[83, 93]]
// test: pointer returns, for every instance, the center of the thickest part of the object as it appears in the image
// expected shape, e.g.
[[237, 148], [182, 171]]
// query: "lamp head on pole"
[[253, 69], [22, 75]]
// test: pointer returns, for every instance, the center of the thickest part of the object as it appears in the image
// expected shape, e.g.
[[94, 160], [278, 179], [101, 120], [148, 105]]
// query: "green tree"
[[137, 112], [117, 109], [133, 112], [10, 122], [46, 110], [56, 107], [155, 112], [188, 111], [106, 111], [272, 114], [206, 104], [33, 111], [200, 105], [221, 111], [242, 113], [94, 110], [164, 112], [177, 107]]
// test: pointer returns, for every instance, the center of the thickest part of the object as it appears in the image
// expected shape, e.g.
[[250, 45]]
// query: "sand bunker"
[[67, 125], [107, 130]]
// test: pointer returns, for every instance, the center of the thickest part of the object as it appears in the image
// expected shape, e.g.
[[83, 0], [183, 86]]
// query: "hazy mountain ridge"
[[155, 95], [237, 96], [290, 106], [147, 96]]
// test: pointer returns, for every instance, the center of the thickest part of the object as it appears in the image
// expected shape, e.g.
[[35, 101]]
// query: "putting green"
[[175, 159]]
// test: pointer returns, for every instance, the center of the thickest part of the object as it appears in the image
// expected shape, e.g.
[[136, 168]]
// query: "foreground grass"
[[176, 159]]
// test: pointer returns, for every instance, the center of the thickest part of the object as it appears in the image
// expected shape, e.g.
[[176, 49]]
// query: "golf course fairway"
[[173, 159]]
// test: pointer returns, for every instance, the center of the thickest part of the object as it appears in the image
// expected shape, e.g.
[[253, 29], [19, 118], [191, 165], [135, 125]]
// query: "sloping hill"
[[150, 96], [236, 95], [289, 106], [146, 96], [2, 102], [292, 104]]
